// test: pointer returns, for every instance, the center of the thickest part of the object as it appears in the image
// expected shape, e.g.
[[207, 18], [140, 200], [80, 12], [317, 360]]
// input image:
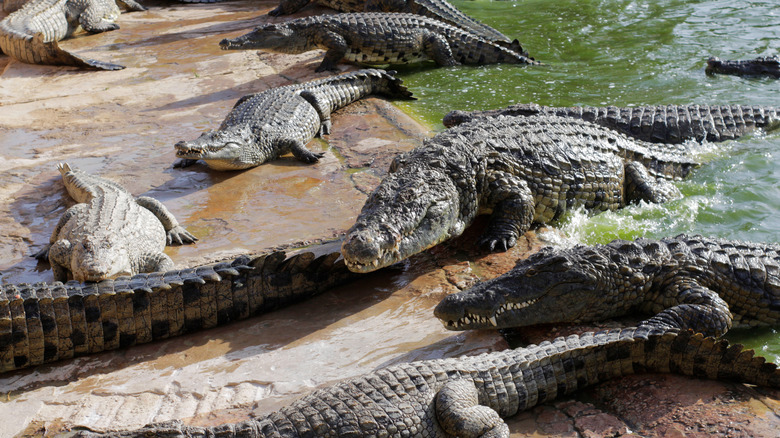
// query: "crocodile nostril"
[[361, 247]]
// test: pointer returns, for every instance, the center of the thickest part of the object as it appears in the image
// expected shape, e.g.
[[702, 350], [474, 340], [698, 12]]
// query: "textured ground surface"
[[178, 83]]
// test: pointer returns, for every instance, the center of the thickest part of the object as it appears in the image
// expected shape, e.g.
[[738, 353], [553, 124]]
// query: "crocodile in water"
[[658, 124], [437, 9], [265, 125], [377, 38], [521, 170], [469, 396], [761, 66], [684, 282], [109, 233], [31, 33], [44, 322]]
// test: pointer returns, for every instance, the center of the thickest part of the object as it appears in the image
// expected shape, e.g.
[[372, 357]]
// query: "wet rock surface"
[[122, 125]]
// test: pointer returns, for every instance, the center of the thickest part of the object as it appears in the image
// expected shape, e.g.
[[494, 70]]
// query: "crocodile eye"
[[531, 272]]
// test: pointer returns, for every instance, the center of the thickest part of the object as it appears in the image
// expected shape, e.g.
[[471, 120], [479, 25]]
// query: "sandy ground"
[[177, 83]]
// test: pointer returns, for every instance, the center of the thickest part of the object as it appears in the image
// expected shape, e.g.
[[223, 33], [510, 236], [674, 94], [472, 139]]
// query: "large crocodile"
[[469, 396], [265, 125], [109, 233], [663, 123], [761, 66], [377, 38], [705, 284], [44, 322], [521, 170], [31, 33], [437, 9]]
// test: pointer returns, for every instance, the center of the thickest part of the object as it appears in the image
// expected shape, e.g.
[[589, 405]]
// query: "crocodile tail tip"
[[397, 87], [63, 168]]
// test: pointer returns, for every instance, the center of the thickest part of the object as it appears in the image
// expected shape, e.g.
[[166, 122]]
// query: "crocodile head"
[[551, 286], [229, 149], [97, 258], [411, 211], [763, 66], [282, 38]]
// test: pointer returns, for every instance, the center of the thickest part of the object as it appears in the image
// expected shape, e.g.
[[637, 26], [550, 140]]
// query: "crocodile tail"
[[693, 354], [396, 85], [33, 50], [514, 46]]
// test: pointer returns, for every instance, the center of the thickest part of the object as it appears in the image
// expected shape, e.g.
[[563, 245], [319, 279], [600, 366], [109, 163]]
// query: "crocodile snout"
[[361, 250]]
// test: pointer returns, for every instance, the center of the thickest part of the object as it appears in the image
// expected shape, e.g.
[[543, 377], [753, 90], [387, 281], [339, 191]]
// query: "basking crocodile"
[[469, 396], [761, 66], [522, 170], [685, 282], [44, 322], [663, 123], [31, 33], [440, 10], [377, 38], [109, 233], [265, 125]]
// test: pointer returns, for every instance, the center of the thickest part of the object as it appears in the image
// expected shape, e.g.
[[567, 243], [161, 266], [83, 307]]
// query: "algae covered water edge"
[[630, 53]]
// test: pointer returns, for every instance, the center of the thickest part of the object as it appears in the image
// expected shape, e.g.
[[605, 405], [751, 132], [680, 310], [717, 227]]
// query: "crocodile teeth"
[[493, 321]]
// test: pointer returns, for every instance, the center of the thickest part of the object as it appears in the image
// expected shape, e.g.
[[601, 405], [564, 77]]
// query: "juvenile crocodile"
[[440, 10], [45, 322], [521, 170], [663, 123], [761, 66], [705, 284], [470, 396], [109, 233], [377, 38], [31, 33], [265, 125]]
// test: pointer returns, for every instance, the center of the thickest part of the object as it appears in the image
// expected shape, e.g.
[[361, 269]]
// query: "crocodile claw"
[[179, 236]]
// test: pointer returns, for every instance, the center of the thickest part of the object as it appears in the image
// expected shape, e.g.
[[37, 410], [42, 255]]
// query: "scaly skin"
[[708, 285], [440, 10], [761, 66], [375, 38], [31, 33], [45, 322], [658, 124], [109, 233], [265, 125], [521, 170], [469, 396]]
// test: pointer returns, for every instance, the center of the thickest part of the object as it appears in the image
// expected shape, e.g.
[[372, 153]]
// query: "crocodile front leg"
[[336, 47], [78, 209], [155, 262], [287, 7], [641, 186], [59, 259], [459, 413], [692, 306], [513, 211], [175, 233], [132, 5], [299, 151]]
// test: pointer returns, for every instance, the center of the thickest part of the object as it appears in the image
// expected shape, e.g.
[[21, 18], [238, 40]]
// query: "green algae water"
[[627, 53]]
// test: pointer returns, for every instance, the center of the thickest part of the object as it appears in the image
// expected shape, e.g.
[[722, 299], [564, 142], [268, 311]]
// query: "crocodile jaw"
[[408, 213], [221, 150], [270, 37]]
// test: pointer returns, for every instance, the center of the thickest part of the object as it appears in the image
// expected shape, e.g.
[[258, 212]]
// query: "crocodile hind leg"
[[175, 233], [691, 306], [99, 17], [132, 5], [323, 110], [641, 186], [459, 413], [438, 49], [513, 211]]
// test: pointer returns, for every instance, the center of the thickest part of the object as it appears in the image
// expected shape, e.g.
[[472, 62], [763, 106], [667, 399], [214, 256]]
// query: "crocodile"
[[377, 38], [761, 66], [705, 284], [470, 396], [109, 233], [45, 322], [265, 125], [440, 10], [658, 124], [31, 34], [521, 170]]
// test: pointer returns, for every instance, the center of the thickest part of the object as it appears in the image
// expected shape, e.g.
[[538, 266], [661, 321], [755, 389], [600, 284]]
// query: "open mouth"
[[472, 319]]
